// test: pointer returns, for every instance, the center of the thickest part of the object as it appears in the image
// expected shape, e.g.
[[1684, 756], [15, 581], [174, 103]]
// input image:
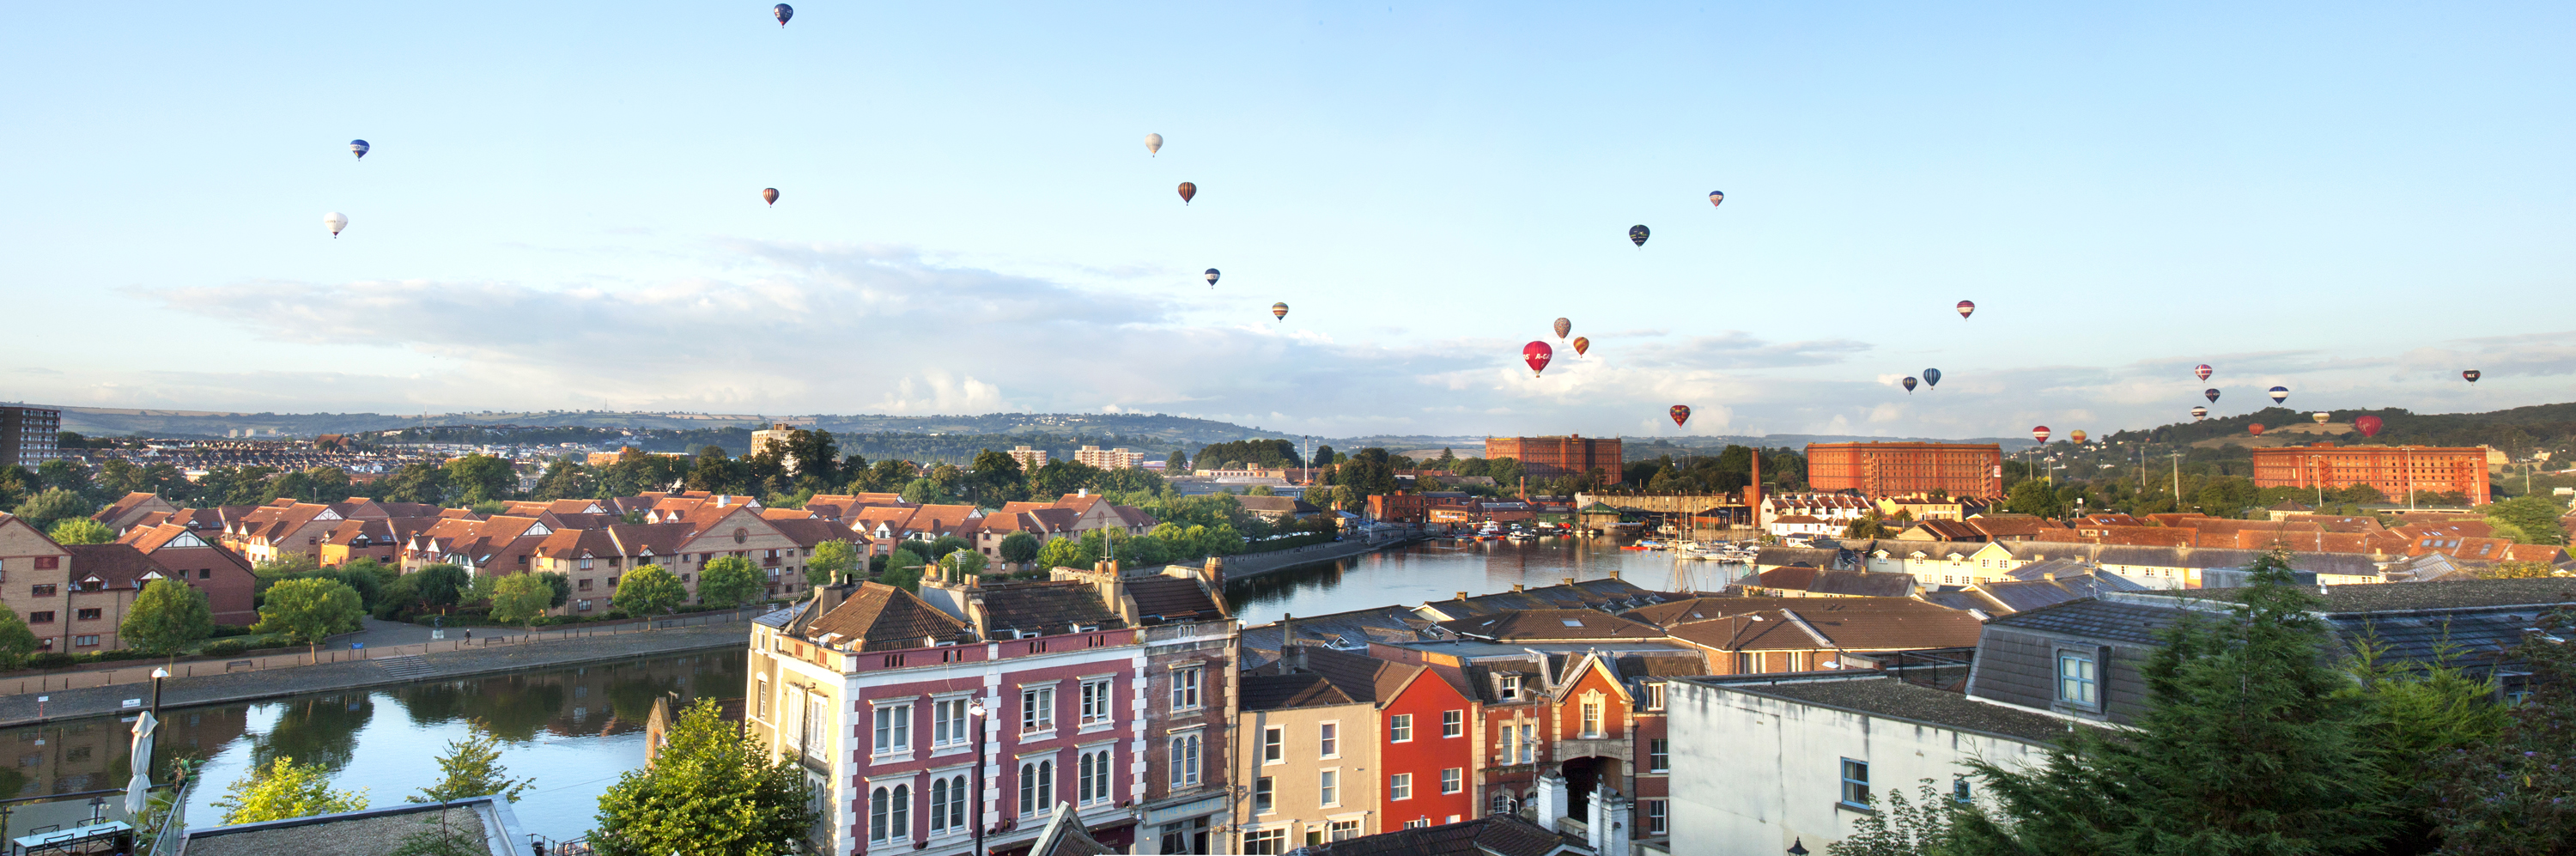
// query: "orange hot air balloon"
[[1681, 414], [1537, 354], [1188, 190], [769, 193], [2256, 429], [2369, 425], [1581, 345], [2076, 436]]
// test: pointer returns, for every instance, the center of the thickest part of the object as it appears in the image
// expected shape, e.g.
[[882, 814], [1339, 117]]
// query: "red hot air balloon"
[[2202, 370], [2470, 375], [1581, 345], [1681, 414], [1536, 354], [770, 194], [2040, 433], [2369, 425], [2256, 429], [1966, 307], [1188, 190], [2076, 436], [1563, 327]]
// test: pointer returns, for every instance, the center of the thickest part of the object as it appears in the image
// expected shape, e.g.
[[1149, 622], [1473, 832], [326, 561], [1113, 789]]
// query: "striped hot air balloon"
[[1967, 308], [2039, 433], [1279, 311]]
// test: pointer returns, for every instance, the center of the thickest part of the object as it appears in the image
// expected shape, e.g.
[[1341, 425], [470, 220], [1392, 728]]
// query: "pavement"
[[501, 657], [386, 634]]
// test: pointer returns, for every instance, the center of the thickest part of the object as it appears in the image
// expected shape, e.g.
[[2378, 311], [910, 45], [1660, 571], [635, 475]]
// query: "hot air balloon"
[[2202, 370], [336, 221], [1581, 345], [1681, 414], [2039, 433], [769, 193], [2255, 429], [1211, 277], [1966, 308], [2076, 436], [1563, 327], [2212, 393], [1932, 377], [1153, 143], [1279, 311], [2470, 375], [1717, 197], [359, 148], [1909, 385], [784, 12], [2279, 393], [1638, 235], [2321, 417], [2199, 413], [1188, 190], [1536, 354], [2369, 425]]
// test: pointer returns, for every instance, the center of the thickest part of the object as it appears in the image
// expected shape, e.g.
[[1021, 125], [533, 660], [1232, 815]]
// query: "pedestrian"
[[469, 634]]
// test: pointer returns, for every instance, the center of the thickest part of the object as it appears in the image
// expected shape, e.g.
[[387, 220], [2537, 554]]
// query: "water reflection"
[[1440, 570], [575, 729]]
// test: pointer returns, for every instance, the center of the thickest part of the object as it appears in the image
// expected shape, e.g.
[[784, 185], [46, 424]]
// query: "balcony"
[[1603, 747]]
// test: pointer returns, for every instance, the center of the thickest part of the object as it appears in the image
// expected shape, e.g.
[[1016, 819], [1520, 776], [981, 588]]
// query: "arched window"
[[890, 813], [1037, 787]]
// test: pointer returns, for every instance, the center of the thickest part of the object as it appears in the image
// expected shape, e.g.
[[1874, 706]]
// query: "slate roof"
[[1280, 692], [1678, 611], [1047, 608], [1541, 624], [1381, 624], [884, 618], [1844, 623], [2389, 597], [1173, 598], [2095, 619], [1864, 583], [1891, 698]]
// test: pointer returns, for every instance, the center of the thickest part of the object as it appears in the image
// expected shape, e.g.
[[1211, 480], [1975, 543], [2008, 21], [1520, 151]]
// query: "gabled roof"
[[880, 617], [117, 566], [1173, 598], [1841, 623], [2022, 595], [807, 533]]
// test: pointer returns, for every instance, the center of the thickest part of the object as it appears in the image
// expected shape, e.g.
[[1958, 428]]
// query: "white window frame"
[[1399, 787], [1659, 755], [1093, 783], [1037, 785], [1453, 780], [1037, 709], [1657, 820], [1274, 745], [1265, 795], [1328, 739], [1399, 728], [1328, 787], [1188, 754], [1185, 687], [948, 722], [1099, 702], [1592, 715], [890, 813], [1453, 723], [953, 787]]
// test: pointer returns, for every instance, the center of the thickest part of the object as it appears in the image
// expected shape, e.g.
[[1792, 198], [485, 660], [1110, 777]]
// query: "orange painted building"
[[1552, 457], [2394, 470], [1889, 469]]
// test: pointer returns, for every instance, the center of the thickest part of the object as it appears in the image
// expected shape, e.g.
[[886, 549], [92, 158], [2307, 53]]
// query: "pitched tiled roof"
[[1847, 623], [1678, 611], [1173, 598], [2023, 595], [2096, 619], [117, 566], [807, 533], [124, 505], [1279, 692], [880, 617], [1359, 678], [1539, 624], [1045, 607]]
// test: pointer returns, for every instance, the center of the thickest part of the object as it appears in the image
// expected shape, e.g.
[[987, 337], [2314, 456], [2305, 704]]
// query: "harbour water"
[[1439, 570]]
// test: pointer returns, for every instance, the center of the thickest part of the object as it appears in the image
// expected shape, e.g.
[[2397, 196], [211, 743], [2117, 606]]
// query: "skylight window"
[[1572, 622]]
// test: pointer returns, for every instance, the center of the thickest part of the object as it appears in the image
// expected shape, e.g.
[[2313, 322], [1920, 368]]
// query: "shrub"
[[51, 660], [223, 630], [225, 648]]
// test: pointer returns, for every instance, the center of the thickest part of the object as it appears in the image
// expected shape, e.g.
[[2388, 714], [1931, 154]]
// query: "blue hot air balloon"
[[784, 12], [2279, 393], [359, 148], [1909, 386], [1932, 377], [1638, 234]]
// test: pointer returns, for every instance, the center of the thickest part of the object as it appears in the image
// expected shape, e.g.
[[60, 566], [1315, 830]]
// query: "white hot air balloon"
[[1153, 143], [336, 221]]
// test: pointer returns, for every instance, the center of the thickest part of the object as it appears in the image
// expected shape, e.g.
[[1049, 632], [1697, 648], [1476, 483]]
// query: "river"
[[576, 729], [1439, 570]]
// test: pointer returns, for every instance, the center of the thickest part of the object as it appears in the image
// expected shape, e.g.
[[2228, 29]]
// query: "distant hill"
[[2518, 431]]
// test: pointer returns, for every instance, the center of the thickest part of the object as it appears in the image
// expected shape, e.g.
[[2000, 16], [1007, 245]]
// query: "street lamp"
[[975, 720], [158, 674]]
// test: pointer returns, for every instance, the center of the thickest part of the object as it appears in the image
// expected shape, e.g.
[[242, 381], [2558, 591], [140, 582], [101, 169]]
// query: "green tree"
[[2517, 570], [716, 473], [712, 790], [309, 609], [1868, 525], [2536, 516], [1060, 477], [439, 585], [2515, 794], [482, 478], [648, 591], [521, 599], [1019, 547], [961, 565], [81, 530], [727, 582], [472, 768], [925, 491], [833, 561], [997, 479], [815, 455], [167, 617], [284, 790], [53, 505], [903, 570], [2249, 743], [566, 478], [1901, 828], [17, 642], [561, 585], [2034, 498], [2416, 716], [1065, 553]]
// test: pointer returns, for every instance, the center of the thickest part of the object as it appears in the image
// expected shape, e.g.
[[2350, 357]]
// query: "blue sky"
[[561, 210]]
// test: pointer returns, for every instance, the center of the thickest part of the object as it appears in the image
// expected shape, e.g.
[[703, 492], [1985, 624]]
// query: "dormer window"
[[1511, 690]]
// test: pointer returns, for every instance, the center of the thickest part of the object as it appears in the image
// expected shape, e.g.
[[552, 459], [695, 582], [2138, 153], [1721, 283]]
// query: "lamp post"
[[158, 674], [975, 720]]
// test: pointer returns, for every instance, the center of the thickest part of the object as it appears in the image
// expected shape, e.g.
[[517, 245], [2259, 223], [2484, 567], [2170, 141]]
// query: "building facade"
[[28, 434], [2397, 471], [1885, 469], [1108, 459], [1553, 457], [1029, 458]]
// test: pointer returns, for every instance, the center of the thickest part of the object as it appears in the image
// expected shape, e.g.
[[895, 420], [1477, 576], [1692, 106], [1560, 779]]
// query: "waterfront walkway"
[[206, 682]]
